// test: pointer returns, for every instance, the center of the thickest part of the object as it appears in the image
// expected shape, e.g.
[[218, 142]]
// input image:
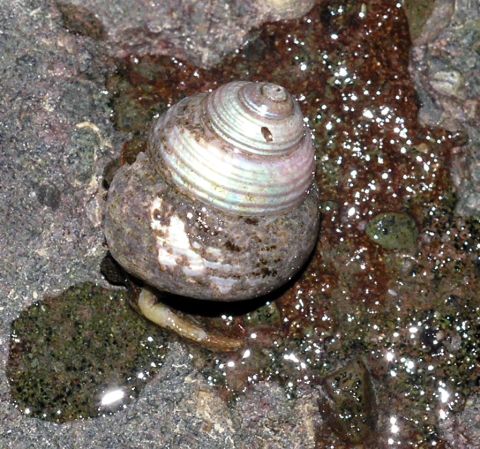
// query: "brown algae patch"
[[409, 308], [81, 354]]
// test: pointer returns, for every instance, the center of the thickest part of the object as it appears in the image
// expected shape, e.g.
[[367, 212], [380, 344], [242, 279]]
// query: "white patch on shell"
[[173, 243], [219, 265], [174, 248], [216, 252], [223, 284]]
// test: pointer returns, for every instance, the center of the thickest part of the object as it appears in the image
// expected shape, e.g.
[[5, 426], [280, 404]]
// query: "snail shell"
[[243, 148], [223, 205]]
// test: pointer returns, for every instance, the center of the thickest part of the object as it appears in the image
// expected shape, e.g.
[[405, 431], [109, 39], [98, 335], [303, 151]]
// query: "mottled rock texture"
[[199, 31], [55, 137], [462, 431], [445, 64]]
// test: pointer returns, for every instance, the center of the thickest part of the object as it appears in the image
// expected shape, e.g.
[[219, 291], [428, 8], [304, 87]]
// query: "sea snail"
[[223, 204]]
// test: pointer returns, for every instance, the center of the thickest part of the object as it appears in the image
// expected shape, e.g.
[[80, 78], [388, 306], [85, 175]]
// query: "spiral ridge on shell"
[[243, 148]]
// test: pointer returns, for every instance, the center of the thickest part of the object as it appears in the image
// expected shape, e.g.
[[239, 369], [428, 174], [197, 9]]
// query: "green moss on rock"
[[267, 315]]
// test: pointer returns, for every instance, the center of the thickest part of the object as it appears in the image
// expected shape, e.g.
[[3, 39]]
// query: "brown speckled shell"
[[188, 248]]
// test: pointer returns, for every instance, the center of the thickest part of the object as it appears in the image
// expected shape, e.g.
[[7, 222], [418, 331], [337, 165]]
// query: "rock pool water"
[[410, 307]]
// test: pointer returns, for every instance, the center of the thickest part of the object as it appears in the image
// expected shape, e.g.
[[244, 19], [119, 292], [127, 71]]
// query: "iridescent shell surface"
[[242, 148], [223, 205]]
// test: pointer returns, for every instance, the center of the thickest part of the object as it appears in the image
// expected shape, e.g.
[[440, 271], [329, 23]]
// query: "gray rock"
[[201, 32], [446, 68], [462, 431], [264, 407], [55, 136]]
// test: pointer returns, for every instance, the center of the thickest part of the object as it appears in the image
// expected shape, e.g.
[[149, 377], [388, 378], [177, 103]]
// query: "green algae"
[[393, 230], [267, 315], [67, 352]]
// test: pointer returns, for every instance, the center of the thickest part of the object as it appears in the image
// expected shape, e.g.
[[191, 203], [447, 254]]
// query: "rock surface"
[[55, 135], [445, 64], [201, 32], [462, 431]]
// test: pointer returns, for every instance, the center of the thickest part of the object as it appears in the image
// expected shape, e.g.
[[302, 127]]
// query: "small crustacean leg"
[[165, 317]]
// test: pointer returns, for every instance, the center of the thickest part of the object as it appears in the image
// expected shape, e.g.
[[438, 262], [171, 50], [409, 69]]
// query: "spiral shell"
[[223, 205], [242, 148]]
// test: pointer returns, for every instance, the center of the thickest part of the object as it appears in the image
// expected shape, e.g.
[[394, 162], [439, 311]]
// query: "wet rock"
[[462, 430], [348, 403], [266, 405], [446, 67], [392, 230], [267, 315], [418, 12], [68, 352], [109, 172], [79, 19], [187, 29], [81, 154]]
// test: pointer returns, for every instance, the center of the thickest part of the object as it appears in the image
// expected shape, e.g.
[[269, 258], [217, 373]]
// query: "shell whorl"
[[242, 148], [257, 118]]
